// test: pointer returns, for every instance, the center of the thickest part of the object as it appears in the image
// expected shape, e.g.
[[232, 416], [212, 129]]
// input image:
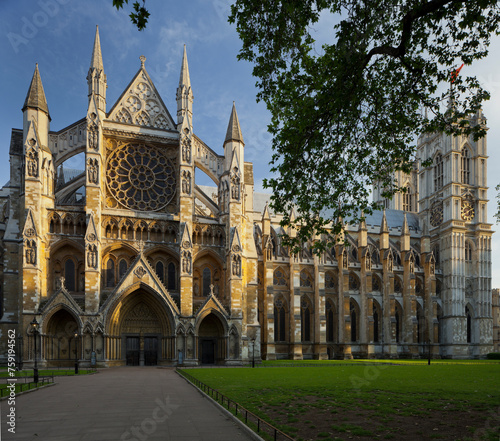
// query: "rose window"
[[141, 177]]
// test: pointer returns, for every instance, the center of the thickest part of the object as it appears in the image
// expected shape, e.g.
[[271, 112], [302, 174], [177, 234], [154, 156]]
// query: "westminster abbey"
[[129, 262]]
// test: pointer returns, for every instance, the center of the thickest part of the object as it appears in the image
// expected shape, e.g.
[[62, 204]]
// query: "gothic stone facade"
[[146, 267]]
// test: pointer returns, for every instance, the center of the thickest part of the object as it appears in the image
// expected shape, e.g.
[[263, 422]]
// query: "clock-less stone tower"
[[453, 202]]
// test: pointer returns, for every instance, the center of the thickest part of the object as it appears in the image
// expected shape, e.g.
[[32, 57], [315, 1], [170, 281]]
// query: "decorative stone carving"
[[30, 252], [60, 282], [186, 182], [368, 262], [93, 133], [93, 170], [236, 266], [186, 262], [140, 272], [32, 160], [141, 177], [235, 188], [92, 256], [186, 150], [142, 106]]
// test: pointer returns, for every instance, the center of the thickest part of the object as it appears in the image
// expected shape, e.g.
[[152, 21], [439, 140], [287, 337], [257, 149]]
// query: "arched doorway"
[[211, 340], [140, 331], [60, 343]]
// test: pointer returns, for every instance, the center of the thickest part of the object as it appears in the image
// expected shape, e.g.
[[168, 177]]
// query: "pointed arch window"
[[110, 273], [465, 166], [122, 268], [330, 321], [305, 316], [398, 317], [354, 321], [207, 281], [171, 276], [407, 199], [279, 278], [70, 275], [438, 172], [376, 323], [468, 251], [160, 269], [279, 321]]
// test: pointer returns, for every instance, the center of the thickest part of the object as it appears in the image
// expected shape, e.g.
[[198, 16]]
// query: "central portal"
[[143, 332]]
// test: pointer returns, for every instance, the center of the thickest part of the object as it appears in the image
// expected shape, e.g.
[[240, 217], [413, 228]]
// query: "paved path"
[[127, 403]]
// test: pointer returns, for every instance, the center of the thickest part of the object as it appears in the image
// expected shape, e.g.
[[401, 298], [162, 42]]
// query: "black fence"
[[25, 383], [256, 423]]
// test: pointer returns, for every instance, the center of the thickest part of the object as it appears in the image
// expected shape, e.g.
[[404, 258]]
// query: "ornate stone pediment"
[[139, 274], [142, 105]]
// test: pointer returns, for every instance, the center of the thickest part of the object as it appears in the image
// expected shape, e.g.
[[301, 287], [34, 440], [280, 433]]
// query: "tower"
[[453, 199]]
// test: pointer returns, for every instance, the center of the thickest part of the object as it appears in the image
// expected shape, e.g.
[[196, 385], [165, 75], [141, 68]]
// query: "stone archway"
[[140, 331], [59, 338], [212, 344]]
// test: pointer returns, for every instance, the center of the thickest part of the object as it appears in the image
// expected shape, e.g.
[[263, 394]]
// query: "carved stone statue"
[[93, 171], [186, 262], [186, 150], [30, 252], [237, 266], [186, 182], [93, 136], [92, 256], [32, 164]]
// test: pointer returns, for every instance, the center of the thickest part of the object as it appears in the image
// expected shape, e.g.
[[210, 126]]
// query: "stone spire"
[[184, 79], [96, 79], [233, 129], [184, 94], [384, 227], [96, 60], [384, 233], [35, 99], [405, 235]]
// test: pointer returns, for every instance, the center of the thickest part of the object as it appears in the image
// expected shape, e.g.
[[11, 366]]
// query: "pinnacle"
[[36, 95], [184, 79], [233, 129], [96, 61]]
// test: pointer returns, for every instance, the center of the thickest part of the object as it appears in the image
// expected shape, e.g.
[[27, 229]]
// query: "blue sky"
[[59, 35]]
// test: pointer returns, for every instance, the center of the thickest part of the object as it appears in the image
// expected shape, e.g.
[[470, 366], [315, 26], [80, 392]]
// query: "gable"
[[140, 104]]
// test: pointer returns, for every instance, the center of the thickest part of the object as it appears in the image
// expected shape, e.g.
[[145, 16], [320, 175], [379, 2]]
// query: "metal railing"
[[253, 421], [26, 385]]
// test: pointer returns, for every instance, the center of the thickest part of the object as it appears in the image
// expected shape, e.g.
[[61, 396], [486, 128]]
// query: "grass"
[[21, 387], [47, 372], [382, 393]]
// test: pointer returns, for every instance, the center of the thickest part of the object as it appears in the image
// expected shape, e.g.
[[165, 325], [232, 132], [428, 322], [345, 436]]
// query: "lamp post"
[[34, 327], [253, 352], [76, 353]]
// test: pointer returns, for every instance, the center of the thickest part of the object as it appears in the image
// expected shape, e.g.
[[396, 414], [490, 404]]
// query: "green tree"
[[140, 15], [347, 114]]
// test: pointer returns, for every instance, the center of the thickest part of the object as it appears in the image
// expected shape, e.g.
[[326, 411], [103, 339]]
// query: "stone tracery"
[[141, 177]]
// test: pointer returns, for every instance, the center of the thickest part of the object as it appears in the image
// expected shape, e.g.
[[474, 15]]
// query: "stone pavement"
[[126, 403]]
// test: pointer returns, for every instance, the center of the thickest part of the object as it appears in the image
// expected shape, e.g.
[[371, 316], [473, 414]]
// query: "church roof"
[[395, 219], [36, 95]]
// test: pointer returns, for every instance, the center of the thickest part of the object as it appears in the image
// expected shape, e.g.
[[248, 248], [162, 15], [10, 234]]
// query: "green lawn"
[[325, 401], [46, 372]]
